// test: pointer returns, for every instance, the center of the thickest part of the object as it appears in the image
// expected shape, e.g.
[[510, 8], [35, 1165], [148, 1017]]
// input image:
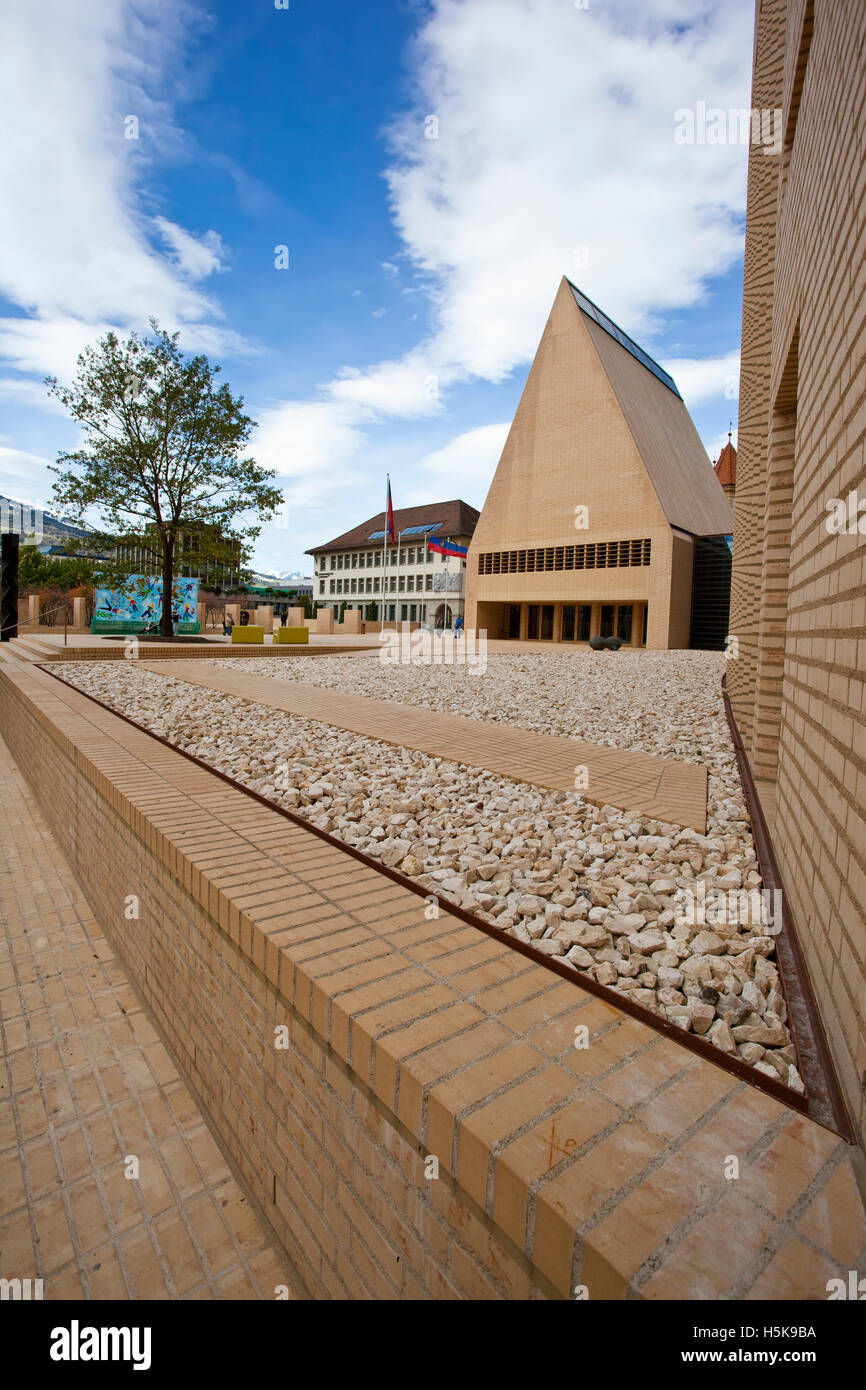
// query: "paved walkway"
[[659, 787], [85, 1083]]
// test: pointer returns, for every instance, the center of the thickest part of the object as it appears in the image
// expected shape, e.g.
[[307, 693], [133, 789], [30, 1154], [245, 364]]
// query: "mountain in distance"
[[20, 517], [288, 580]]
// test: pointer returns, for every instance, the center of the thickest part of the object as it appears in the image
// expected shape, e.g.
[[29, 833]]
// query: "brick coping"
[[453, 1076], [152, 651]]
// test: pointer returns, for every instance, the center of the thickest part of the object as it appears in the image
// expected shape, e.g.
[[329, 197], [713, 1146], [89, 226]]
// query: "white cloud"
[[25, 478], [313, 448], [555, 131], [24, 391], [307, 442], [390, 268], [463, 467], [409, 387], [75, 253], [700, 379], [46, 345], [378, 313], [194, 257]]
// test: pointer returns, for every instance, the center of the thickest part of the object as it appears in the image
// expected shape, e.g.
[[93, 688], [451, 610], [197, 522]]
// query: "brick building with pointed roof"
[[604, 516]]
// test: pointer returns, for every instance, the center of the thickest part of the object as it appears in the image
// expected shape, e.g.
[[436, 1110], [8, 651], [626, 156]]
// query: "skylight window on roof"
[[600, 317]]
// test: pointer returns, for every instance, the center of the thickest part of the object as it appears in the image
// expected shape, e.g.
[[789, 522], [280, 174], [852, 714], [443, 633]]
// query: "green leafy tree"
[[54, 571], [162, 461]]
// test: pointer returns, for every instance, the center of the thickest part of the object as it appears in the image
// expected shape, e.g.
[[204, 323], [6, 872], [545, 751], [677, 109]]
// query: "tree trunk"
[[166, 628]]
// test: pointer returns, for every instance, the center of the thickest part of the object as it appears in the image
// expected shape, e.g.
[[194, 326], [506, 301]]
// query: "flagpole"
[[398, 621], [385, 553]]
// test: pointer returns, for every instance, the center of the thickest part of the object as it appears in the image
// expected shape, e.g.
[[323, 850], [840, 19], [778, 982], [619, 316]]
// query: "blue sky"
[[421, 270]]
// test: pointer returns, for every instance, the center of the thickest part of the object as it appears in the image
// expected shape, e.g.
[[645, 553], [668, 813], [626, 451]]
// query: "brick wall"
[[602, 1167], [754, 407], [799, 589]]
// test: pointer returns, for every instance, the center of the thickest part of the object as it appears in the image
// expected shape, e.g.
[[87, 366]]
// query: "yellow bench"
[[291, 634], [248, 633]]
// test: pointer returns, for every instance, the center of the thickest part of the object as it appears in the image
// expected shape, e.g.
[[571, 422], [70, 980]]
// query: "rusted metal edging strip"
[[826, 1104], [735, 1065]]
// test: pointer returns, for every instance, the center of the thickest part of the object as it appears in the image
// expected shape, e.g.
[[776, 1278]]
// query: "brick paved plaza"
[[87, 1081]]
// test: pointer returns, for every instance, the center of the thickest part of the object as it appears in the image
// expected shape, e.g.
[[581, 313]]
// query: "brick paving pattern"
[[663, 788], [85, 1081]]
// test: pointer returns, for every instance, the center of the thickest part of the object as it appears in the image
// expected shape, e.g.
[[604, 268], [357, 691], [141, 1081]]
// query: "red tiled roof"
[[726, 467], [455, 519]]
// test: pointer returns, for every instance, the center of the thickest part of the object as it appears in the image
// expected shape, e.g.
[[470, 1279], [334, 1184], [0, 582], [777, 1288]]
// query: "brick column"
[[595, 620], [774, 595], [524, 621], [638, 610]]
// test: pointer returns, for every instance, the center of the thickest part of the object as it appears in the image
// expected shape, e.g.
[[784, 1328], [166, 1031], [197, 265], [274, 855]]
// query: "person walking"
[[458, 625], [228, 624]]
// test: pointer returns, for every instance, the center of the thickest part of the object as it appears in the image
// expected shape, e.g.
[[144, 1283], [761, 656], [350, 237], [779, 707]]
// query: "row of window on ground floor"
[[404, 612], [575, 621]]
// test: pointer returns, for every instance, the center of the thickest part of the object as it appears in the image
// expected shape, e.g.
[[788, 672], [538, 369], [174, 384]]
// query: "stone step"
[[32, 648]]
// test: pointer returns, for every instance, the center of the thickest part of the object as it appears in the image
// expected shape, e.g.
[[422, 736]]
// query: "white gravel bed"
[[602, 889], [667, 703]]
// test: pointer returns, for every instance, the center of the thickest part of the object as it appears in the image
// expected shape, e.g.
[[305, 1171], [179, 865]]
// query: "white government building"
[[416, 585]]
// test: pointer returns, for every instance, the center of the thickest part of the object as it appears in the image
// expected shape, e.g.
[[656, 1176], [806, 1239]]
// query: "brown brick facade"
[[798, 606]]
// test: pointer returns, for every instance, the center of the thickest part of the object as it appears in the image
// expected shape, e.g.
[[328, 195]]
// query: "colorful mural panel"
[[140, 601]]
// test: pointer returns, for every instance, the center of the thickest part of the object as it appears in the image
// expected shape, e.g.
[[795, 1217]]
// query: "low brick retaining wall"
[[152, 651], [413, 1043]]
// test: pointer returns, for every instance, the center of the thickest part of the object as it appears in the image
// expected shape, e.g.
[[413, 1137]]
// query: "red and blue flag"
[[448, 548]]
